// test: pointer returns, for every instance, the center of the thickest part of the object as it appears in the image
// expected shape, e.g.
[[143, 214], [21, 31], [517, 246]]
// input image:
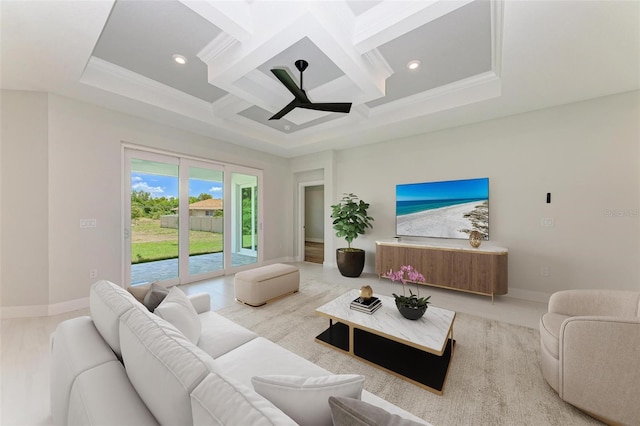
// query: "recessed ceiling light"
[[287, 127], [412, 65], [179, 59]]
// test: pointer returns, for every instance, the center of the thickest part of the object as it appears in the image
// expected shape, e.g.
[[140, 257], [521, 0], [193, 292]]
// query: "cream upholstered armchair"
[[590, 352]]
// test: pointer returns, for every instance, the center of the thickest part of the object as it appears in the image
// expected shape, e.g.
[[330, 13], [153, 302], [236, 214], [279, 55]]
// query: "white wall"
[[25, 182], [76, 171], [584, 154], [67, 153]]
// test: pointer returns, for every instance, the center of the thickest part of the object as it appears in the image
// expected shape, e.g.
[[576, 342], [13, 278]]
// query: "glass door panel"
[[154, 233], [206, 222], [244, 192], [188, 219]]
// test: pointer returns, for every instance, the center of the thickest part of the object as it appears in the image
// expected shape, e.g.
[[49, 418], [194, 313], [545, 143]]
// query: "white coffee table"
[[418, 351]]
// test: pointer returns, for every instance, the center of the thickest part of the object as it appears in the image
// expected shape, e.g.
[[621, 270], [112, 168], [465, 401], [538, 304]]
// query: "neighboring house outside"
[[205, 207], [201, 216]]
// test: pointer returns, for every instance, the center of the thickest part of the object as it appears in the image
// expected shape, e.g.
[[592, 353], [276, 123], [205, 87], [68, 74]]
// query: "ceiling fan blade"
[[284, 111], [332, 107], [288, 82]]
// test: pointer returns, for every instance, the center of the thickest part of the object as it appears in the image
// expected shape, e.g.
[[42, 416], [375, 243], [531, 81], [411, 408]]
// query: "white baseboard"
[[68, 306], [532, 296], [287, 259], [7, 312]]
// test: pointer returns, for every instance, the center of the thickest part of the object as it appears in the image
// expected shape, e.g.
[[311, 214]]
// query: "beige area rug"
[[494, 377]]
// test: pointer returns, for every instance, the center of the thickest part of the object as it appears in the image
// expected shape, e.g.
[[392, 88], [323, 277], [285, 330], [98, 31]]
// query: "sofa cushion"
[[353, 412], [76, 347], [550, 332], [243, 363], [107, 303], [178, 310], [162, 364], [155, 295], [219, 400], [105, 393], [306, 399], [220, 335]]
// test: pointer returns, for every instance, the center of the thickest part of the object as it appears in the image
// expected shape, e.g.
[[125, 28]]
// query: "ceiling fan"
[[301, 100]]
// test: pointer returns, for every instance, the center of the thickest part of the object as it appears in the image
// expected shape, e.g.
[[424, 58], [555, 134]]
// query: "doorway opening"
[[313, 222]]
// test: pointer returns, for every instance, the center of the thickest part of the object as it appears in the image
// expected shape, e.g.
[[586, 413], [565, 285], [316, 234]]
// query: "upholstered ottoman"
[[256, 287]]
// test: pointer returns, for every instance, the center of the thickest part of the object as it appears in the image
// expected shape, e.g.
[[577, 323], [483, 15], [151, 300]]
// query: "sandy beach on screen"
[[432, 222]]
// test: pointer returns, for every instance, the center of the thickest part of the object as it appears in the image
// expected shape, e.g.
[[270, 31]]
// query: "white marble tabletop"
[[428, 333]]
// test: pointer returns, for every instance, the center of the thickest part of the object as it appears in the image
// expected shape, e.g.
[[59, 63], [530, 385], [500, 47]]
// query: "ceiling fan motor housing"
[[301, 64]]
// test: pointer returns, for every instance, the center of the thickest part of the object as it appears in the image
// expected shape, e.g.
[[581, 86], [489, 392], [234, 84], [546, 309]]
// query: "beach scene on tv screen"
[[450, 209]]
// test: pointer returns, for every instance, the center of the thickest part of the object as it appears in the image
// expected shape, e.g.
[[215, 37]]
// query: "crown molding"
[[217, 47]]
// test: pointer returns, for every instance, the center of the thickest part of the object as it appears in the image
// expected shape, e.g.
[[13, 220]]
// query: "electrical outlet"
[[547, 222], [93, 273], [544, 271]]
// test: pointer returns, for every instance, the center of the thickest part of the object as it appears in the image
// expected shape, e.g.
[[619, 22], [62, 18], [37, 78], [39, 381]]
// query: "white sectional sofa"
[[187, 365]]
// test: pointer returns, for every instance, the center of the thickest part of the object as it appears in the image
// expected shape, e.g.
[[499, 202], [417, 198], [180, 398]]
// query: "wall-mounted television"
[[448, 209]]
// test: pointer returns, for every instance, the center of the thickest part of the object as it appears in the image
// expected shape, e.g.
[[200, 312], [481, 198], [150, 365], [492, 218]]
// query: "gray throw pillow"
[[154, 296], [354, 412]]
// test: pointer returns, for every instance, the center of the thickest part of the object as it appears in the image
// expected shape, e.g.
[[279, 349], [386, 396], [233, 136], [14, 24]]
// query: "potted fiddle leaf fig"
[[350, 219]]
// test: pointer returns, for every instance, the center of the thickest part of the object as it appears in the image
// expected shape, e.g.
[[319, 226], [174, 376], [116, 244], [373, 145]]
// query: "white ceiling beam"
[[328, 29], [390, 20], [112, 78], [229, 61]]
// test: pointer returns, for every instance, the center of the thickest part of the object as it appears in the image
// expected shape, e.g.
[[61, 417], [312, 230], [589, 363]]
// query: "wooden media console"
[[480, 270]]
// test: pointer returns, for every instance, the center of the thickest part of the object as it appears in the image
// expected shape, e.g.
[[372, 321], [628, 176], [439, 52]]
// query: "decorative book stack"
[[368, 306]]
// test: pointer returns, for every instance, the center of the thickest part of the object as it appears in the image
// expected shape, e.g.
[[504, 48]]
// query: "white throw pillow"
[[178, 310], [223, 401], [306, 399]]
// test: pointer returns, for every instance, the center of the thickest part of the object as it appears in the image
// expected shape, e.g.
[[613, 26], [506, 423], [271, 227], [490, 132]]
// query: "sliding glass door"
[[153, 200], [244, 242], [177, 218], [203, 215]]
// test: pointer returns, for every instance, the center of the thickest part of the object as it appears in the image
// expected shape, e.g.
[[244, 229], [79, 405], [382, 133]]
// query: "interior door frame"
[[301, 215]]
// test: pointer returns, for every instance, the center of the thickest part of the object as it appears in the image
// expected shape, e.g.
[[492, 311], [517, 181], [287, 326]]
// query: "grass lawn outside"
[[150, 242]]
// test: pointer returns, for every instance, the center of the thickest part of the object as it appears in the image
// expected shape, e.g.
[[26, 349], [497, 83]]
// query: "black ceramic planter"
[[410, 312], [351, 262]]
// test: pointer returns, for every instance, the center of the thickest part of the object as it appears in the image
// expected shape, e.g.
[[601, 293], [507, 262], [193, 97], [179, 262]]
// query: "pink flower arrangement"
[[411, 275], [408, 273]]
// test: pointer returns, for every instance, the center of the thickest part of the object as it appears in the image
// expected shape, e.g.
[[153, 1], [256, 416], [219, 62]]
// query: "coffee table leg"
[[351, 340]]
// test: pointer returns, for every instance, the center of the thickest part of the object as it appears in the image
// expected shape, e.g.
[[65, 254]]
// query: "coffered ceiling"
[[478, 60]]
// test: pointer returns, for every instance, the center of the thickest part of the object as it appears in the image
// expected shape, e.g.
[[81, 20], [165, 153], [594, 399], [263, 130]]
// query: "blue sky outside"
[[167, 186], [449, 190]]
